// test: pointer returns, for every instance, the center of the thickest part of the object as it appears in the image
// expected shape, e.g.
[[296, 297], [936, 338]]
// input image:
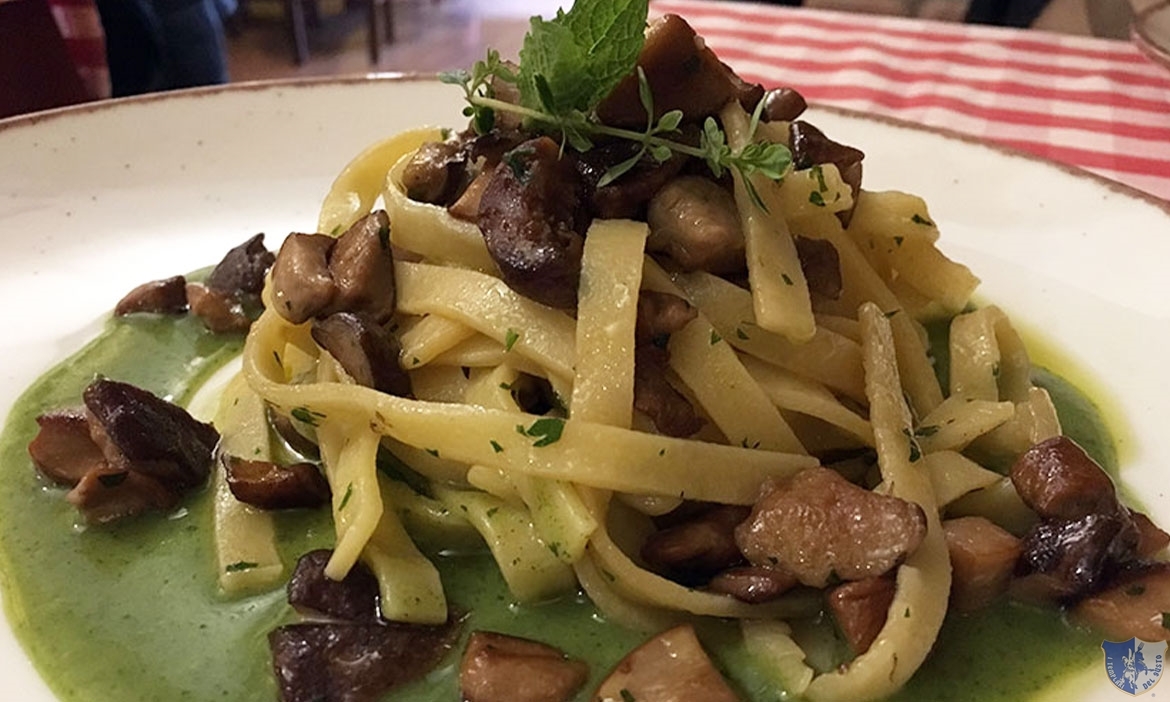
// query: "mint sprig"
[[573, 61]]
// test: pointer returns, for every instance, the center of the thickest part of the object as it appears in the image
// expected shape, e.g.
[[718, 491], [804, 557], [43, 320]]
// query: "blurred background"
[[60, 52]]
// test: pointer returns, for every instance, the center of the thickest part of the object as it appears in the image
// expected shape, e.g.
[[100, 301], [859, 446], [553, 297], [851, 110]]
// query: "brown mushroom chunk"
[[362, 268], [354, 662], [1136, 604], [821, 265], [817, 525], [241, 271], [1058, 480], [860, 609], [671, 667], [1064, 560], [683, 75], [166, 296], [626, 197], [140, 432], [221, 313], [467, 206], [532, 218], [752, 584], [810, 147], [107, 494], [316, 275], [694, 221], [502, 668], [1151, 538], [354, 598], [655, 397], [302, 285], [436, 172], [365, 349], [659, 316], [983, 558], [783, 105], [698, 547], [268, 485], [63, 450]]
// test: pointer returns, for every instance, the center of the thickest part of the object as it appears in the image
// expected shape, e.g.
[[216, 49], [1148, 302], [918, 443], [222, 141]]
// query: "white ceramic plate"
[[94, 201]]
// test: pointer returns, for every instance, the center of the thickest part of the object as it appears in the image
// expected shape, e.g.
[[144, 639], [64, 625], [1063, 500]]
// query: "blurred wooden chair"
[[302, 15], [36, 69]]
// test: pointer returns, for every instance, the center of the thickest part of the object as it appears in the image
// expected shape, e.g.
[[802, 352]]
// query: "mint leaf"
[[581, 54]]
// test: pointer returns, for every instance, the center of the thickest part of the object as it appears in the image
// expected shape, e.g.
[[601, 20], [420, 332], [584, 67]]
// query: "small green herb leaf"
[[510, 339], [548, 429], [496, 446], [345, 498]]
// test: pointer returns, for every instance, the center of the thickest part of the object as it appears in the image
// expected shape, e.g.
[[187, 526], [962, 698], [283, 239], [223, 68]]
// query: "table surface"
[[1097, 104]]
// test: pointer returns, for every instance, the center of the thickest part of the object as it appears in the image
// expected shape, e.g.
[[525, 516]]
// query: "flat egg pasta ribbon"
[[924, 579]]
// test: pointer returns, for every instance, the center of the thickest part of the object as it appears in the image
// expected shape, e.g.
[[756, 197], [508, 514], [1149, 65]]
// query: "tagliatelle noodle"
[[359, 184], [924, 580], [828, 358], [429, 231], [953, 475], [428, 337], [485, 303], [791, 392], [245, 537], [780, 295], [959, 420]]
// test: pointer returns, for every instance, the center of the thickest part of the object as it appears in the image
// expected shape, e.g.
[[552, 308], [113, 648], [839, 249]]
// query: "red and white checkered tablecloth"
[[1094, 103]]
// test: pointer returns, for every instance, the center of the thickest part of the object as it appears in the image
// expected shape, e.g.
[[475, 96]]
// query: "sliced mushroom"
[[63, 450], [532, 217], [626, 197], [1058, 480], [268, 485], [107, 494], [241, 271], [140, 432], [817, 525], [671, 667], [316, 275], [783, 105], [1136, 604], [753, 584], [167, 296], [352, 662], [694, 221], [821, 265], [436, 172], [810, 146], [860, 609], [502, 668], [983, 558], [367, 352], [302, 285], [362, 268], [683, 75], [221, 313], [699, 547], [354, 598], [1065, 560], [655, 397]]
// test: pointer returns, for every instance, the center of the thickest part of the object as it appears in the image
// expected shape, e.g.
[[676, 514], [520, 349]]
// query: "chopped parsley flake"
[[306, 415], [510, 339], [928, 430], [548, 429], [628, 696], [740, 333], [345, 498], [919, 219], [491, 512], [496, 446], [240, 566], [816, 198], [715, 338], [819, 174], [899, 239], [433, 452], [787, 280]]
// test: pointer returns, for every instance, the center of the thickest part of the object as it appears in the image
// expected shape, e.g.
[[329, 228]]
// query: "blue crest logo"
[[1134, 666]]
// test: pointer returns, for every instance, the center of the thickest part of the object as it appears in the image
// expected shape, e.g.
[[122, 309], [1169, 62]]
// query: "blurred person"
[[156, 45]]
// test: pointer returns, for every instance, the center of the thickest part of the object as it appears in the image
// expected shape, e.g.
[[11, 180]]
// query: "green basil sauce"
[[130, 611]]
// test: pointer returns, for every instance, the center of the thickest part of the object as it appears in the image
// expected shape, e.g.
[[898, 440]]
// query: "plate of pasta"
[[810, 454]]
